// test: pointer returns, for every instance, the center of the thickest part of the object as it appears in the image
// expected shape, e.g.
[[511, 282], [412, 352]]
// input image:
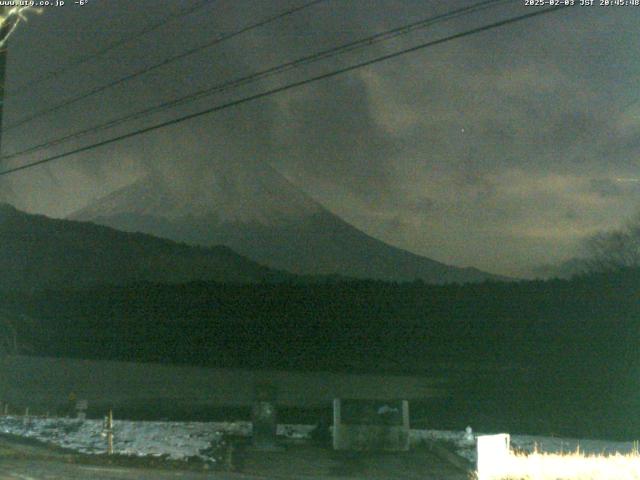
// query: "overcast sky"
[[500, 150]]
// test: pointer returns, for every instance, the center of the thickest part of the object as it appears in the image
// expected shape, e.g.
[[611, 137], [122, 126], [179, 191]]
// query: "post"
[[405, 415], [108, 431], [81, 409], [265, 417], [110, 434], [337, 421], [5, 28]]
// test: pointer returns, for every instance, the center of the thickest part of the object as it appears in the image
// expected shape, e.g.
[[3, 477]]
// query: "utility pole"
[[9, 21], [5, 30]]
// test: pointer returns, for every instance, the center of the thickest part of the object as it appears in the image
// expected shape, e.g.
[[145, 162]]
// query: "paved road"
[[25, 469], [29, 469], [19, 461]]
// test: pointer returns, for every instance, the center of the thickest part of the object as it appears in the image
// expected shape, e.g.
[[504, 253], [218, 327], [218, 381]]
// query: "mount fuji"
[[258, 213]]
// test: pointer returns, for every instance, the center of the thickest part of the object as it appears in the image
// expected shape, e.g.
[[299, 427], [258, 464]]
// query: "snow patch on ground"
[[175, 440], [184, 440]]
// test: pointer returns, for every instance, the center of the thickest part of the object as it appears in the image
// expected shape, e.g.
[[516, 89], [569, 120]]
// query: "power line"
[[285, 88], [22, 88], [322, 55], [160, 64]]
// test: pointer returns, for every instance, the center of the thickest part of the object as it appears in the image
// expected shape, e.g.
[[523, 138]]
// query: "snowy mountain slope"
[[259, 214]]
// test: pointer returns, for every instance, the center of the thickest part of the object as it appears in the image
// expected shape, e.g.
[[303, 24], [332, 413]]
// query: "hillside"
[[37, 252]]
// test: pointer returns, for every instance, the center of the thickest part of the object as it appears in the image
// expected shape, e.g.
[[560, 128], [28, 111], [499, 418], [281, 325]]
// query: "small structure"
[[493, 455], [264, 417], [362, 425], [469, 438], [81, 409]]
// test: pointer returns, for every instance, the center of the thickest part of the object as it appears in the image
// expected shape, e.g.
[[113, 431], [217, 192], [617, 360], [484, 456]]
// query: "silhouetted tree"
[[615, 250]]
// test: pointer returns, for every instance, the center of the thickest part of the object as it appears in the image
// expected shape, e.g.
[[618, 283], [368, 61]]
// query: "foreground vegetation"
[[571, 466]]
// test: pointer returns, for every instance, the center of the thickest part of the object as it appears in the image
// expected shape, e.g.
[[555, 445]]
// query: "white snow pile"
[[526, 443], [175, 440]]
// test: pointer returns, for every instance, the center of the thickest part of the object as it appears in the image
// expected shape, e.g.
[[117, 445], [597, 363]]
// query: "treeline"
[[610, 296], [264, 322]]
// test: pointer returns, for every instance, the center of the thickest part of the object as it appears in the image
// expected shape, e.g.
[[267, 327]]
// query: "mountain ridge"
[[38, 252]]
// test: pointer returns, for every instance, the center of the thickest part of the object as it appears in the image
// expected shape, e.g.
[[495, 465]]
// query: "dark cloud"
[[352, 151], [606, 187]]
